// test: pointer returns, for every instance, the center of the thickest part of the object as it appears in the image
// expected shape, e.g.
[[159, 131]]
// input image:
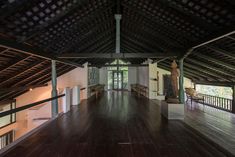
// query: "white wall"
[[161, 73], [152, 84], [143, 75], [77, 76], [104, 77], [132, 76]]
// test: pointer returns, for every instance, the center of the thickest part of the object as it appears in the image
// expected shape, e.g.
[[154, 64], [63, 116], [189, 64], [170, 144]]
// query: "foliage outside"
[[219, 91]]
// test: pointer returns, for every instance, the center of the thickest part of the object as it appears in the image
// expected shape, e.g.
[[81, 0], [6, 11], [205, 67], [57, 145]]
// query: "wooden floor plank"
[[214, 124], [116, 125]]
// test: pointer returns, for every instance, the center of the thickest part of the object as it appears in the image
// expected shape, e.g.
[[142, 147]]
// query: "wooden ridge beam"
[[120, 65], [114, 55]]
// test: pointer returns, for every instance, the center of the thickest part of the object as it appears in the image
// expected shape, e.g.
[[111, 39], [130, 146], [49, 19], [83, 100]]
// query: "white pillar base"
[[66, 101], [76, 95], [172, 111]]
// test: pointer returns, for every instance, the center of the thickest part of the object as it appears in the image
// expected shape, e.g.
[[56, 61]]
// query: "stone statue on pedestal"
[[174, 79]]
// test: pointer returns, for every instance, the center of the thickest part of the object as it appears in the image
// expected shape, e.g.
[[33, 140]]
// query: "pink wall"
[[24, 119]]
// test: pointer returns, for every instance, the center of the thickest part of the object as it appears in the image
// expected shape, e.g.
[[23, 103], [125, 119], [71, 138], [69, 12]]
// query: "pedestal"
[[66, 100], [160, 98], [172, 111], [76, 95]]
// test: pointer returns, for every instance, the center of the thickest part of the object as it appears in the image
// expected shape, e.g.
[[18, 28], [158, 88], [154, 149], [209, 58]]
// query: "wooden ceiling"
[[34, 31]]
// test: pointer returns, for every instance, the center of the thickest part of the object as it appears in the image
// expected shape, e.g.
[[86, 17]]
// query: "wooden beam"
[[47, 76], [157, 22], [99, 37], [152, 34], [216, 61], [40, 28], [205, 71], [23, 48], [120, 65], [41, 80], [214, 37], [187, 15], [9, 101], [221, 51], [34, 75], [17, 88], [115, 55], [11, 7], [213, 68], [34, 65], [216, 83], [15, 63], [230, 37], [4, 51], [206, 41]]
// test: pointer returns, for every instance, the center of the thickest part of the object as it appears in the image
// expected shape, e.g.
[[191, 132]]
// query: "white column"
[[54, 107], [118, 32]]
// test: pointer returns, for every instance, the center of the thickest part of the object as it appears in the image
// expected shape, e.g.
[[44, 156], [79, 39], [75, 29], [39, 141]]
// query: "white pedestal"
[[76, 95], [159, 99], [66, 101], [172, 111]]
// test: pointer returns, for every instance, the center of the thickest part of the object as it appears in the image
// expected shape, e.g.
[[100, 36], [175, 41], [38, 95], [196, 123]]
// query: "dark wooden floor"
[[117, 125], [214, 124]]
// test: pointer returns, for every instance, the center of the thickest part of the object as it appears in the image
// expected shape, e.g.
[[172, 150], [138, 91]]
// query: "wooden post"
[[181, 81], [233, 103], [54, 105]]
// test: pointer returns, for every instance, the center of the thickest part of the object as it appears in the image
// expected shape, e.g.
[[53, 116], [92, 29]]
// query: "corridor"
[[119, 124]]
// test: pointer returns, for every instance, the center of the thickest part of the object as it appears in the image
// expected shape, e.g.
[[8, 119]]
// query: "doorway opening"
[[118, 76]]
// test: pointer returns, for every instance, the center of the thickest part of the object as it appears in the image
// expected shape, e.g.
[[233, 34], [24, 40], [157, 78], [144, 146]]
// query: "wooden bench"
[[97, 89], [139, 89], [193, 95]]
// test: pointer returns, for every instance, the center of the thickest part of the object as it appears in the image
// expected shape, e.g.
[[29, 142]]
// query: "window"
[[6, 120]]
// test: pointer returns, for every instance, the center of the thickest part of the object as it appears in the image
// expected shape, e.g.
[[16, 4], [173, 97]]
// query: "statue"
[[174, 79]]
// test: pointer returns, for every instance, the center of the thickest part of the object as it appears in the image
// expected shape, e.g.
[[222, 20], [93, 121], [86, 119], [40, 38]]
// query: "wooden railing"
[[24, 107], [218, 102]]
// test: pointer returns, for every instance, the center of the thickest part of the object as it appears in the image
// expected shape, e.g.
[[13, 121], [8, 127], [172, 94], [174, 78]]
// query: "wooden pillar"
[[181, 81], [54, 106], [233, 103]]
